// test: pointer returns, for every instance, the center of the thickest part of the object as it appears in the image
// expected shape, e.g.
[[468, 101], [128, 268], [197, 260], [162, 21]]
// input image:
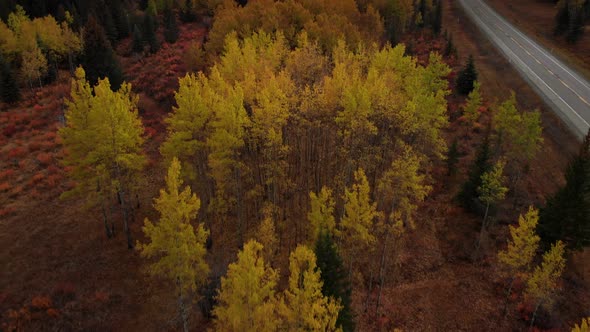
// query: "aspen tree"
[[490, 192], [471, 108], [177, 251], [305, 307], [583, 327], [247, 300], [543, 284], [521, 250], [321, 214], [356, 226]]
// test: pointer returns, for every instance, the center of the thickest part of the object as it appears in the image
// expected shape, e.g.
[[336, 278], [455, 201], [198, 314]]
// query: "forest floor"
[[60, 272], [537, 19]]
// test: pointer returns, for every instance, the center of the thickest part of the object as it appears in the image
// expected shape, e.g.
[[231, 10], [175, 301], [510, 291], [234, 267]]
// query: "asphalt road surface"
[[562, 88]]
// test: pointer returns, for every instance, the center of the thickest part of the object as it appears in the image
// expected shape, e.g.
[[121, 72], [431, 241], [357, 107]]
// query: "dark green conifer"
[[466, 77], [9, 90], [334, 278]]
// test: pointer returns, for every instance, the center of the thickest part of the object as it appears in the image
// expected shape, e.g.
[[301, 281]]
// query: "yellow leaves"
[[178, 252], [321, 215], [471, 108], [103, 133], [247, 300], [305, 307], [544, 282], [519, 133], [492, 187], [266, 234], [402, 187], [524, 244], [583, 327], [359, 214]]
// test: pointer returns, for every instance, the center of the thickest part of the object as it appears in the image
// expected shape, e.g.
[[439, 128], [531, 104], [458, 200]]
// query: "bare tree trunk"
[[483, 227], [182, 308], [535, 314], [106, 223], [125, 211], [505, 311], [382, 270]]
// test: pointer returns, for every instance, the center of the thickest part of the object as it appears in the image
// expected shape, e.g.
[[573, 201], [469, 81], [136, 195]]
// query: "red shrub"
[[37, 178], [41, 302], [4, 186], [9, 130], [34, 146], [44, 158], [17, 152], [52, 169], [16, 191], [38, 123], [3, 213], [7, 174], [101, 296], [53, 180]]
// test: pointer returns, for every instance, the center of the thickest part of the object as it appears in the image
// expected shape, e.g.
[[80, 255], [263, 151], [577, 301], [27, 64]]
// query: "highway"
[[566, 92]]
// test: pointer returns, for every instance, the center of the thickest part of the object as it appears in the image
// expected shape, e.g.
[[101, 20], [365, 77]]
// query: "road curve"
[[565, 91]]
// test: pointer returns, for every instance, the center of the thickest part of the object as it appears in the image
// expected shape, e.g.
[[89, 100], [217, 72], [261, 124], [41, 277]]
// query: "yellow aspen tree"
[[543, 284], [321, 214], [305, 307], [490, 192], [77, 137], [34, 65], [188, 129], [225, 144], [401, 188], [247, 301], [267, 235], [357, 224], [583, 327], [516, 259], [472, 105], [176, 251], [118, 132], [104, 135]]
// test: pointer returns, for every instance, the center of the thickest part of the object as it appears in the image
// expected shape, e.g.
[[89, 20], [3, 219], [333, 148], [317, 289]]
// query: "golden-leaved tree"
[[516, 259], [103, 137], [247, 300], [305, 308], [177, 252], [543, 284], [321, 214]]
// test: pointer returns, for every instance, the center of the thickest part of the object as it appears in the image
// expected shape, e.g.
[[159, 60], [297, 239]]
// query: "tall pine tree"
[[99, 59], [467, 77], [566, 216], [9, 91], [334, 278]]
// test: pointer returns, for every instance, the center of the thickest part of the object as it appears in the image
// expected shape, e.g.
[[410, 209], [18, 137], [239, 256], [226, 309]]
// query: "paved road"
[[565, 91]]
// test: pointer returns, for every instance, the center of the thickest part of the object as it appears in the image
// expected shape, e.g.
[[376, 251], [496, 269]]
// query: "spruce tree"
[[187, 13], [452, 158], [468, 195], [566, 216], [334, 278], [170, 27], [9, 90], [149, 33], [467, 77], [138, 43], [99, 59]]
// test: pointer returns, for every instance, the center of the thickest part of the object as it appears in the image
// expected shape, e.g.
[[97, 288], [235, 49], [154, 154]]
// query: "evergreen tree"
[[450, 48], [334, 278], [138, 44], [149, 33], [452, 158], [566, 216], [467, 77], [468, 194], [170, 27], [99, 59], [187, 12], [9, 90], [437, 17]]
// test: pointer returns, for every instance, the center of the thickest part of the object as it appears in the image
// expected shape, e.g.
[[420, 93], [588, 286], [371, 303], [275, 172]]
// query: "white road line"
[[499, 40], [533, 43]]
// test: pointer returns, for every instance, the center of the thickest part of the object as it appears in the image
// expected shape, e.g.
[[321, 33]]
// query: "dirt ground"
[[536, 18]]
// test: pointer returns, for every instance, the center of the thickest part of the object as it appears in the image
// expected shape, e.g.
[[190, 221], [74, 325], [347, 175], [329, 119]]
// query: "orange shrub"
[[17, 152], [44, 158], [41, 302], [6, 174], [4, 186], [34, 146], [53, 180], [37, 178]]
